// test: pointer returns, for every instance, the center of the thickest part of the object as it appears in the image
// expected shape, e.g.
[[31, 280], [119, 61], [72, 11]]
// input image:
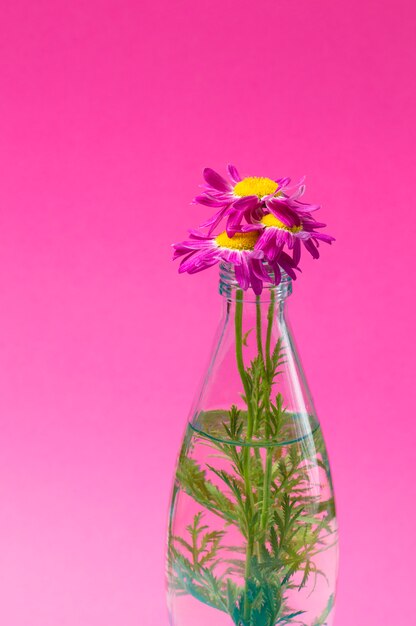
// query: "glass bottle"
[[252, 530]]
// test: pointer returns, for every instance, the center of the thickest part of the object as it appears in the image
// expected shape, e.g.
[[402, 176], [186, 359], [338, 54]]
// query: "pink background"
[[109, 110]]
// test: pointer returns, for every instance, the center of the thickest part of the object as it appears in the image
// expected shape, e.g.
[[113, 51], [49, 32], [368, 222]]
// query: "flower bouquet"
[[252, 529]]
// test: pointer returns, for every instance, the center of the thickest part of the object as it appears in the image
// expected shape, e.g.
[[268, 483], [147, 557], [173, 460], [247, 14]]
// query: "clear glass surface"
[[252, 529]]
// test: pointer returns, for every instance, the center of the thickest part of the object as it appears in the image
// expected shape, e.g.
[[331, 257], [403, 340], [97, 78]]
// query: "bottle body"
[[252, 528]]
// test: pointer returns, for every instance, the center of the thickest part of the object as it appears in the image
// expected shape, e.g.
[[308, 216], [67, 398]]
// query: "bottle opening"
[[229, 286]]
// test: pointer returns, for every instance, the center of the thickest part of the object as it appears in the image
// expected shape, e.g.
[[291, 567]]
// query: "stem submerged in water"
[[247, 456], [240, 360], [267, 369], [269, 453]]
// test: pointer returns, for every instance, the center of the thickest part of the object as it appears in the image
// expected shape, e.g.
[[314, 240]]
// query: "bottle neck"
[[231, 290]]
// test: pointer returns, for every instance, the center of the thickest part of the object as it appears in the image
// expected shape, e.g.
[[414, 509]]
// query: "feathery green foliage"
[[265, 492]]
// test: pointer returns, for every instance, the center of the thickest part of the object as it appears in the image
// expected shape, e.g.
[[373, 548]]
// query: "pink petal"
[[215, 180], [233, 172]]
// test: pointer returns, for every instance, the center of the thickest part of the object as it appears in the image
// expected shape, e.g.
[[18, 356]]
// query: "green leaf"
[[245, 336]]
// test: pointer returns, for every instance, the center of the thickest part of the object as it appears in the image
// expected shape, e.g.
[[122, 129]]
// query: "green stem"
[[269, 454], [270, 318], [246, 452], [258, 328], [195, 553], [247, 572], [240, 360], [266, 489], [261, 355]]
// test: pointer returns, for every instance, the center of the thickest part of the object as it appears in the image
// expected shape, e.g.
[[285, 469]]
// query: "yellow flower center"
[[255, 186], [240, 241], [271, 220]]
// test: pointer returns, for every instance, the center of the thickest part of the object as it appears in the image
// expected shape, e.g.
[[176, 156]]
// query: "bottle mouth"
[[228, 285]]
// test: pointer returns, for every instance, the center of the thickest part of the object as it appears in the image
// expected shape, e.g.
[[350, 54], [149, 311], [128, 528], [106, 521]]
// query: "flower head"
[[201, 251], [294, 230], [264, 218], [237, 198]]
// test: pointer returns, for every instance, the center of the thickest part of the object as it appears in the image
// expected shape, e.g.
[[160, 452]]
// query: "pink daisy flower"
[[202, 251], [239, 197], [291, 229]]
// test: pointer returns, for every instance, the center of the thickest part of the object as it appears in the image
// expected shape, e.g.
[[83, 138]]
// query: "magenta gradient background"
[[109, 110]]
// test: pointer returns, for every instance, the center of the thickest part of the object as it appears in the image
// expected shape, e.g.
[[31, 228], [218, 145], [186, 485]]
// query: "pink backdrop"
[[109, 110]]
